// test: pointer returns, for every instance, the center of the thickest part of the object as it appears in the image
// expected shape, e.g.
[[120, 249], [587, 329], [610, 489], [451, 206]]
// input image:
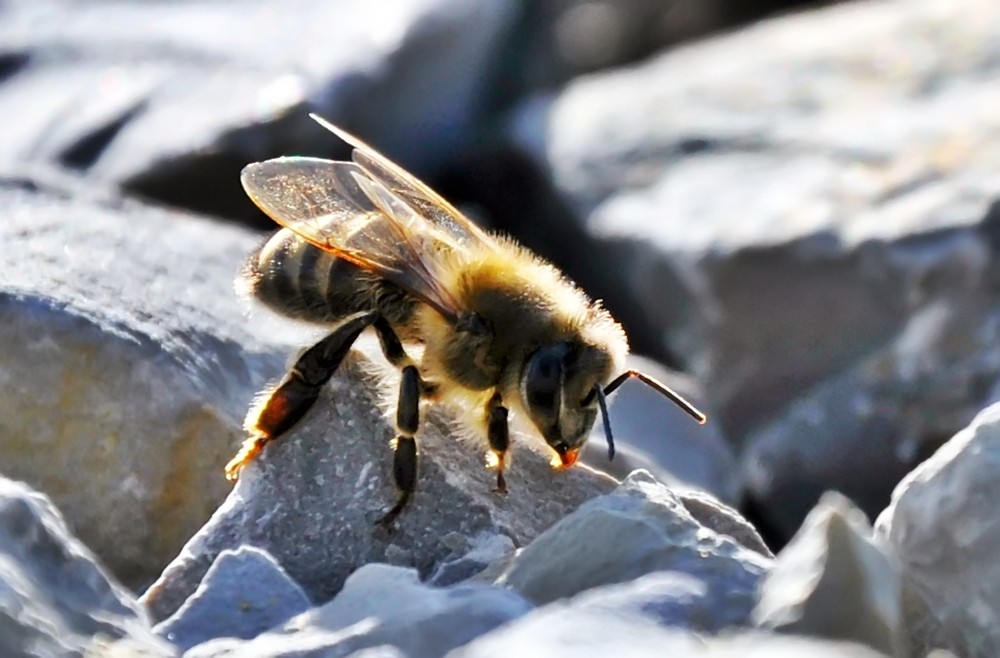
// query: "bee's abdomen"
[[301, 281]]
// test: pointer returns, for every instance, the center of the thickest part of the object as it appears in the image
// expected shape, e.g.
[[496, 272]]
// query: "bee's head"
[[561, 389], [557, 386]]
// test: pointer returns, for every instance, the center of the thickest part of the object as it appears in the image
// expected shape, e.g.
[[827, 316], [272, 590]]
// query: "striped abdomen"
[[301, 281]]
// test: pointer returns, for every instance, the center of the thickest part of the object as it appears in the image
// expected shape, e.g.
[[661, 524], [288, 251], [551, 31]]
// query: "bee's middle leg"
[[411, 389], [295, 394]]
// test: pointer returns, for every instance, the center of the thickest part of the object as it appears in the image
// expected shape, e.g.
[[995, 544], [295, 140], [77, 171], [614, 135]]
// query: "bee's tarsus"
[[404, 464], [404, 472], [389, 518], [247, 453]]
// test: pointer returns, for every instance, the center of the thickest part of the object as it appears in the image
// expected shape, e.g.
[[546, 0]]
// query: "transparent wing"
[[437, 212], [340, 208]]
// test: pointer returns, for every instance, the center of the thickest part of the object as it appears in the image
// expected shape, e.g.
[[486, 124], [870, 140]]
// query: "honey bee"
[[364, 244]]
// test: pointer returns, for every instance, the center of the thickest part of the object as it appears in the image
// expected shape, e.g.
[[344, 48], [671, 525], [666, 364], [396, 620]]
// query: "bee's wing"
[[429, 204], [339, 208]]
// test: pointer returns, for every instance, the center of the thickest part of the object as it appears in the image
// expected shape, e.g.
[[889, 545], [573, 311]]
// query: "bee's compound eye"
[[543, 378], [546, 368]]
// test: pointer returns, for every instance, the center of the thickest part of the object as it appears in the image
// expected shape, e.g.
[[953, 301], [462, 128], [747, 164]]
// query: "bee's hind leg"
[[277, 411], [411, 389], [498, 434]]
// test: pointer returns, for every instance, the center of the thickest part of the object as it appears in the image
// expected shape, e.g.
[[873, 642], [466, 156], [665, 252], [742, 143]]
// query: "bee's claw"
[[389, 517], [249, 451], [501, 487], [386, 523]]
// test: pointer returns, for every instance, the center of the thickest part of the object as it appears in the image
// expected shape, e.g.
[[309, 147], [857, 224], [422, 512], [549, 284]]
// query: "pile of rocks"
[[641, 570], [801, 216]]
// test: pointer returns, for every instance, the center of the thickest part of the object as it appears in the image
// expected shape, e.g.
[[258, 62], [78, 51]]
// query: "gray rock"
[[943, 531], [742, 193], [672, 599], [244, 593], [654, 434], [757, 189], [558, 40], [562, 631], [865, 428], [485, 551], [640, 528], [712, 513], [832, 581], [379, 606], [55, 599], [185, 100], [127, 363], [312, 499]]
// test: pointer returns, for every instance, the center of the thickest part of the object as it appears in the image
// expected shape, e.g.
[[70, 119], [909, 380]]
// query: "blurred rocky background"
[[794, 211]]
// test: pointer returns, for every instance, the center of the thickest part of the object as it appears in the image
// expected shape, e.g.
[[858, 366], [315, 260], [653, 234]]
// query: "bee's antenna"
[[602, 403], [657, 386]]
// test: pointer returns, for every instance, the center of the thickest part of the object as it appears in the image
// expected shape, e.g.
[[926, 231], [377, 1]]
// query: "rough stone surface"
[[244, 593], [185, 100], [863, 429], [832, 581], [485, 551], [721, 518], [54, 596], [127, 365], [943, 531], [168, 100], [561, 39], [640, 528], [644, 152], [803, 215], [672, 599], [381, 605], [654, 434], [313, 498], [759, 189]]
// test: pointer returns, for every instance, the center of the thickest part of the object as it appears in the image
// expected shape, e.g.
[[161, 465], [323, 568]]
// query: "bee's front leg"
[[276, 411], [498, 434]]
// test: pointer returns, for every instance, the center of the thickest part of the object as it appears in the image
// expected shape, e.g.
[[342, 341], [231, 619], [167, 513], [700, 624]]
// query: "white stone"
[[943, 530], [832, 581]]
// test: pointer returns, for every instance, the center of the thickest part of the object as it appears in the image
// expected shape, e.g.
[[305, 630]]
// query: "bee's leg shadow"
[[275, 412], [498, 434], [411, 389]]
